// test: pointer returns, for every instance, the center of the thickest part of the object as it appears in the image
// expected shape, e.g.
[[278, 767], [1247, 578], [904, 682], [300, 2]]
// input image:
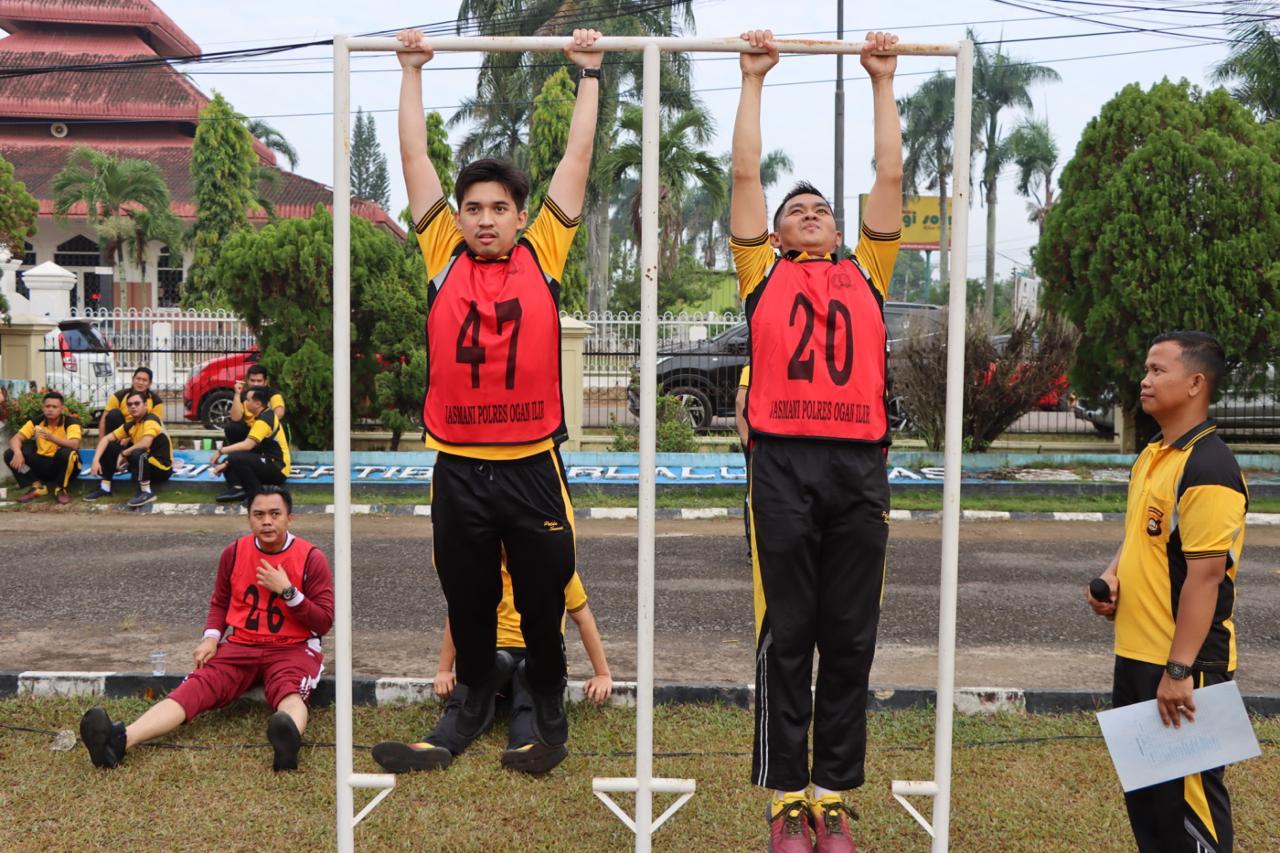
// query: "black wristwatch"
[[1177, 671], [597, 73], [290, 593]]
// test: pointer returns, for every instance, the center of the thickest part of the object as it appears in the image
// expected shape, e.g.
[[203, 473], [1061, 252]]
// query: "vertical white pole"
[[648, 451], [342, 433], [956, 322]]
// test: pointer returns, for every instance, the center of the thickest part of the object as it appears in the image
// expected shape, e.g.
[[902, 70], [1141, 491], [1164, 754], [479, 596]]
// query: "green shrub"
[[674, 431], [28, 407]]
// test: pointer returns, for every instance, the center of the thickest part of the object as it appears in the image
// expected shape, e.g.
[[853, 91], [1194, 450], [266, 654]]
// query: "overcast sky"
[[798, 116]]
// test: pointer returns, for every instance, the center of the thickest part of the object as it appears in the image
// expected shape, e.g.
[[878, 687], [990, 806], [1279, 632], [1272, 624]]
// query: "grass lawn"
[[1021, 783]]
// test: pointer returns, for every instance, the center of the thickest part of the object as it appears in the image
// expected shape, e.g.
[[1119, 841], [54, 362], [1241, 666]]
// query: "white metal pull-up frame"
[[643, 784]]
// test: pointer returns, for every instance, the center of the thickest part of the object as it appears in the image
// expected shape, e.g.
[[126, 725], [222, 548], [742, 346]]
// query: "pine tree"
[[369, 178], [222, 168], [1168, 217]]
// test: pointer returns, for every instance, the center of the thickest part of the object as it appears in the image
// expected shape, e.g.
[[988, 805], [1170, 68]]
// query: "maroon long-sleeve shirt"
[[315, 612]]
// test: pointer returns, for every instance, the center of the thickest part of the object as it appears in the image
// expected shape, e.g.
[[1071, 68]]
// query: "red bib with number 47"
[[493, 352], [818, 350], [260, 616]]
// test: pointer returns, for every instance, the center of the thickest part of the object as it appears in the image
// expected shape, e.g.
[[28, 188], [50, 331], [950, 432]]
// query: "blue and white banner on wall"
[[409, 468]]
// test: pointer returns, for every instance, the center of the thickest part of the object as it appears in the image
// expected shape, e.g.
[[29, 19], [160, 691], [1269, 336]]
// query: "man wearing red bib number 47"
[[274, 591], [493, 400], [818, 495]]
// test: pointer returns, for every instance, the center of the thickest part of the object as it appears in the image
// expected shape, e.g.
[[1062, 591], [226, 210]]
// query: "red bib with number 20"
[[493, 352], [817, 353], [261, 617]]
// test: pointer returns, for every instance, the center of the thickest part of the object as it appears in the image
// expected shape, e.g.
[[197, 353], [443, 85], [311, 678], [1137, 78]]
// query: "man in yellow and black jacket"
[[142, 444], [818, 429], [1172, 583], [493, 405], [261, 459], [45, 451], [116, 412]]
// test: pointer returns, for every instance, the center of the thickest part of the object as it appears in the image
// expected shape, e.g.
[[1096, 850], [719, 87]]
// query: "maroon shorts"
[[235, 668]]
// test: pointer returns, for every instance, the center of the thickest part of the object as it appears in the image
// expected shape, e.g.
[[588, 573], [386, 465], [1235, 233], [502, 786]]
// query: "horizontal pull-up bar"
[[518, 44]]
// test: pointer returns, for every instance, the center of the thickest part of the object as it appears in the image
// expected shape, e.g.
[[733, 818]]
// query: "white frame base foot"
[[602, 786], [901, 790]]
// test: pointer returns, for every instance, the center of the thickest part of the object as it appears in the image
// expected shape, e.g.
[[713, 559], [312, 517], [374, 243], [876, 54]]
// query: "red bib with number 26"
[[493, 352], [817, 353], [261, 617]]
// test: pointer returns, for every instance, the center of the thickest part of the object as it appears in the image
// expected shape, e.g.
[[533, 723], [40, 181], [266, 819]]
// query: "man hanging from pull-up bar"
[[493, 405], [819, 495]]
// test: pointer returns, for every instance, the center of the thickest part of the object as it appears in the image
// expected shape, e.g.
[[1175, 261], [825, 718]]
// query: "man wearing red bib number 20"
[[493, 400], [274, 592], [819, 495]]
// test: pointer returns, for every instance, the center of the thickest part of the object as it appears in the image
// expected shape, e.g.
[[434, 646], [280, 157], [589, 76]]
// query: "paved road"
[[106, 590]]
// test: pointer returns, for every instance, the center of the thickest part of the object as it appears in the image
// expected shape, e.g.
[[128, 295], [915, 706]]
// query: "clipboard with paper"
[[1146, 752]]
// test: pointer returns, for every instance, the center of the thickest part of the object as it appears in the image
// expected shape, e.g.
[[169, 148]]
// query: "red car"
[[208, 393]]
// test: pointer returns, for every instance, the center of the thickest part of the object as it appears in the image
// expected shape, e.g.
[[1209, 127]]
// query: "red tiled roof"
[[158, 29], [152, 93], [294, 197]]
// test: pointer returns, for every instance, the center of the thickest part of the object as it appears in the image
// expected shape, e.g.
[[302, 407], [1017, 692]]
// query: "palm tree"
[[928, 117], [273, 139], [501, 109], [999, 81], [114, 192], [153, 226], [1035, 153], [706, 218], [684, 162], [1253, 62]]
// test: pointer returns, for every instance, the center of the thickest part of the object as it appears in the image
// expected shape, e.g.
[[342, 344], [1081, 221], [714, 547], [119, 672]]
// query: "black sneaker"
[[95, 494], [141, 499], [285, 740], [233, 496], [104, 739], [550, 724], [397, 757], [534, 758]]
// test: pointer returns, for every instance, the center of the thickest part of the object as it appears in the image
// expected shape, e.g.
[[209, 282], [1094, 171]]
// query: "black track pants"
[[819, 523], [1188, 815], [480, 507]]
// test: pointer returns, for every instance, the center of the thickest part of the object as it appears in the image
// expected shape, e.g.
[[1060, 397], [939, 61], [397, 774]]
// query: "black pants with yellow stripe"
[[1191, 814], [819, 525], [479, 508], [56, 471]]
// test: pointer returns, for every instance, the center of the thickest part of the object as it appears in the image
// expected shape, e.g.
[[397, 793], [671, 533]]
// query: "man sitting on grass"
[[45, 451], [524, 751], [274, 592]]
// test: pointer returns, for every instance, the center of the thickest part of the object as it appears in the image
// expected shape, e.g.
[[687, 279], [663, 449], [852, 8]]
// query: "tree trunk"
[[598, 237], [989, 298]]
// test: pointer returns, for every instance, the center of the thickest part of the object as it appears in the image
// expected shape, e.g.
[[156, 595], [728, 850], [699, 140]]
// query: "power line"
[[90, 122]]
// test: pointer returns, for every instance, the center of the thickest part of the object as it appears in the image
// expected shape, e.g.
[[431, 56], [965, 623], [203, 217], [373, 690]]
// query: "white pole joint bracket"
[[605, 785], [901, 790]]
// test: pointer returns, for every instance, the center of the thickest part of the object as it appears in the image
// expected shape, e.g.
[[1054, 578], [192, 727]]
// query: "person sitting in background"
[[274, 595], [141, 445], [241, 421], [114, 416], [261, 458], [45, 452], [524, 751]]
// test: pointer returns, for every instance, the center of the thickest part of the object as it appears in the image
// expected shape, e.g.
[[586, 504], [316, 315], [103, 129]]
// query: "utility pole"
[[839, 182]]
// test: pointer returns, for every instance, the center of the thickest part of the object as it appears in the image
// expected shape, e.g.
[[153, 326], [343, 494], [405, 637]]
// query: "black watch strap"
[[597, 73], [290, 594], [1177, 671]]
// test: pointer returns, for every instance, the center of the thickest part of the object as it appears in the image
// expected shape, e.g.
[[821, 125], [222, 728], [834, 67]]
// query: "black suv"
[[704, 375]]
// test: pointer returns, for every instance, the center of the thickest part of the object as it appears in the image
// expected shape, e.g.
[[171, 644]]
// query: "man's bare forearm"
[[413, 129], [888, 130], [746, 130]]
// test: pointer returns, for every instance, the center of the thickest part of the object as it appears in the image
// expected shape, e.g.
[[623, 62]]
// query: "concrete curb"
[[630, 513], [391, 691]]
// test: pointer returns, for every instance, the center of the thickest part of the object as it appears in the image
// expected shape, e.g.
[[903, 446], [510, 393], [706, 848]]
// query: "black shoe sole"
[[396, 757], [535, 760], [285, 740], [230, 499], [95, 732]]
